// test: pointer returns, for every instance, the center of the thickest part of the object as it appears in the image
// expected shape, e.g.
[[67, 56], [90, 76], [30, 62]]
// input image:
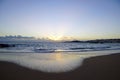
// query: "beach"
[[105, 67], [59, 39]]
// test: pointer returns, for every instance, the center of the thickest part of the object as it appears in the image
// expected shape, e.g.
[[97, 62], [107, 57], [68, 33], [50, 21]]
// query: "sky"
[[61, 19]]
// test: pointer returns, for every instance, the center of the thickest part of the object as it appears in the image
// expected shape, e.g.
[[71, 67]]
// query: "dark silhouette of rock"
[[104, 41], [6, 45], [96, 41]]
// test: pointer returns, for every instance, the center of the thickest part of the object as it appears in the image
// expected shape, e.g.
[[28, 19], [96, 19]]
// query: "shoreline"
[[106, 67]]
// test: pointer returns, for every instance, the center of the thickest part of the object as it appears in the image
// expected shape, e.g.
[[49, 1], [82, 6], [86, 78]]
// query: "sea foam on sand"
[[53, 62], [48, 62]]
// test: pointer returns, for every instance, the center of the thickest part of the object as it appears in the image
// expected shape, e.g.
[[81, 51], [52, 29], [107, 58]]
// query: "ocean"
[[51, 47], [53, 57]]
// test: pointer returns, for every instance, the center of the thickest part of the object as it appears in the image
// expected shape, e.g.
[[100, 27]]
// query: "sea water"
[[50, 47], [54, 57]]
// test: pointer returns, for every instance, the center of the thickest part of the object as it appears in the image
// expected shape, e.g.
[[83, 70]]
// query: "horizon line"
[[47, 38]]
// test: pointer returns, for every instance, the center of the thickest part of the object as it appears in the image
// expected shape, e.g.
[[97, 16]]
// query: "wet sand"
[[96, 68]]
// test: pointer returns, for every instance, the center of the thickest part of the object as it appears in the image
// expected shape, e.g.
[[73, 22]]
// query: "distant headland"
[[96, 41]]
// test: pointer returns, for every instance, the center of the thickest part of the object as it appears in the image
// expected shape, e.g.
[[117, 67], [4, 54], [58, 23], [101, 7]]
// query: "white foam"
[[45, 62], [48, 62]]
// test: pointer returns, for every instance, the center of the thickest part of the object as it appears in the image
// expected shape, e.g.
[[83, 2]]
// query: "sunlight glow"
[[58, 33], [55, 37], [58, 56]]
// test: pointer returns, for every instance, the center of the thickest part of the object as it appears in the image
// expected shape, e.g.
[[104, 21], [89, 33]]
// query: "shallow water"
[[52, 62]]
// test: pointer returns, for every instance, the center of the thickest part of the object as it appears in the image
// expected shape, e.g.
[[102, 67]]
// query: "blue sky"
[[61, 19]]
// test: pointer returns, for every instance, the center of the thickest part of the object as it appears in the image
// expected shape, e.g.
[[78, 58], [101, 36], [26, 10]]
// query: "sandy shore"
[[96, 68]]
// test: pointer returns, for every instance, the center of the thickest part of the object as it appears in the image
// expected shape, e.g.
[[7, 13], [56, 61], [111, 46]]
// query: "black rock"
[[6, 45]]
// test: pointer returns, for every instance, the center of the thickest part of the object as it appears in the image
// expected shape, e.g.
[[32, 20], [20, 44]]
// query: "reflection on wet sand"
[[54, 62], [51, 62]]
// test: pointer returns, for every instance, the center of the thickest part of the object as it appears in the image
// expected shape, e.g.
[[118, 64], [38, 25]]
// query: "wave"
[[55, 50], [57, 47], [75, 49], [44, 50]]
